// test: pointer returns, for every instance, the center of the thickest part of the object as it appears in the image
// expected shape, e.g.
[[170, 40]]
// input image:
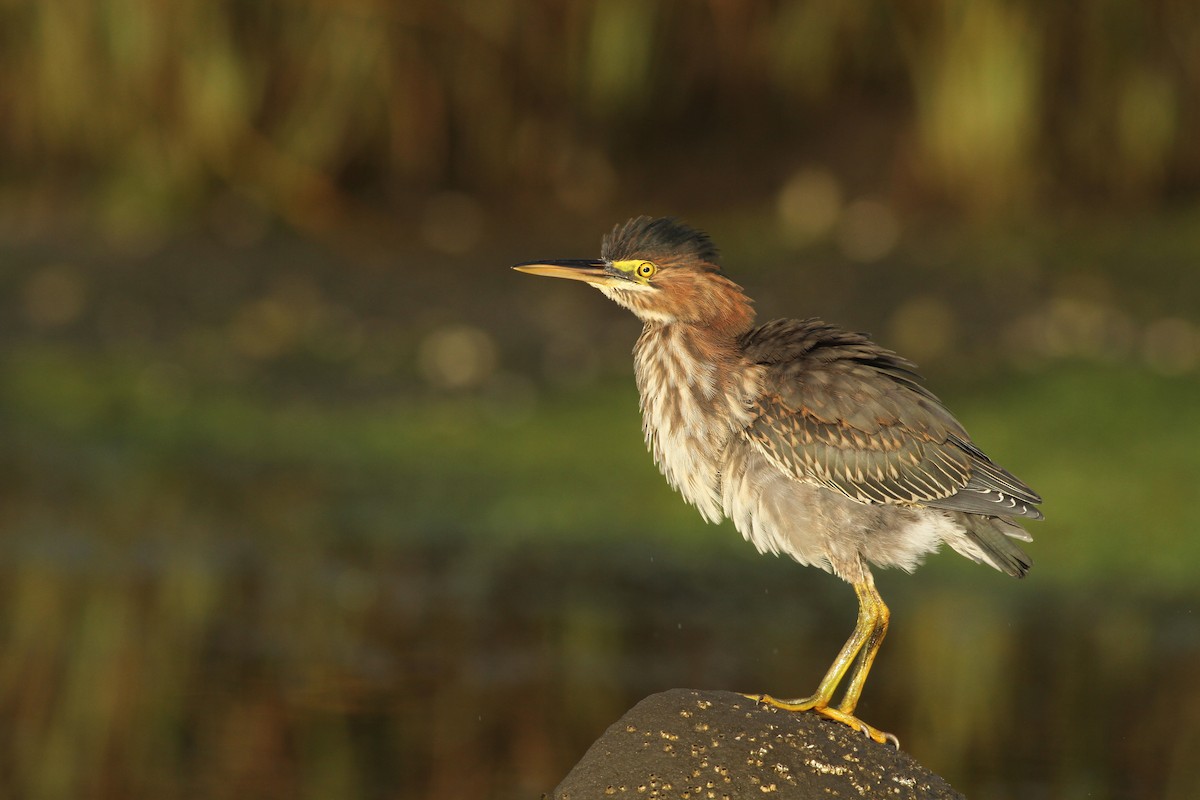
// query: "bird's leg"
[[841, 664], [863, 644], [867, 595]]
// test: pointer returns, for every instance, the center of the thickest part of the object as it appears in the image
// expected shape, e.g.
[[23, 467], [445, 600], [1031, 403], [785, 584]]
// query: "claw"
[[822, 708], [854, 659]]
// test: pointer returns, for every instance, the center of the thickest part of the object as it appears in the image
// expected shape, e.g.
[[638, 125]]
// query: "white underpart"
[[679, 395], [819, 527], [626, 295], [966, 546], [708, 459], [925, 534]]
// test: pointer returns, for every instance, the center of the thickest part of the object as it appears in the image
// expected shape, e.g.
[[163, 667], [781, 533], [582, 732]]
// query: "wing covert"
[[840, 411]]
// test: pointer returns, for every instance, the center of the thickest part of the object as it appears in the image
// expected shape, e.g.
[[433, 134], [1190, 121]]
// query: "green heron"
[[816, 442]]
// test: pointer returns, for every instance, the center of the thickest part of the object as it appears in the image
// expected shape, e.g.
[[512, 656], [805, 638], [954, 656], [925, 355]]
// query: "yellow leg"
[[860, 650], [867, 594]]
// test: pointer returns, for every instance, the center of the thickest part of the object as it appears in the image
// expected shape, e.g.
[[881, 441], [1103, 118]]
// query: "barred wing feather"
[[840, 411]]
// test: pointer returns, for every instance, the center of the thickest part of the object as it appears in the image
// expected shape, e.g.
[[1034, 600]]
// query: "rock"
[[698, 745]]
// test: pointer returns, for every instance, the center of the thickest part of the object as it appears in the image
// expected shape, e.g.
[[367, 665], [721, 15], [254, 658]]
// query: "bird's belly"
[[695, 477], [821, 527], [690, 459], [690, 415]]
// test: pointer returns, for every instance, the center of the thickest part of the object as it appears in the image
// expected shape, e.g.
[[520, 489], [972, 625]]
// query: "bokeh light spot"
[[54, 296], [584, 180], [264, 329], [923, 328], [868, 231], [452, 223], [1171, 346], [808, 205], [457, 357]]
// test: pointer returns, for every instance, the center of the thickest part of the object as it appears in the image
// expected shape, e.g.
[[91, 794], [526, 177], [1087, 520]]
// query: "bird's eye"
[[646, 269]]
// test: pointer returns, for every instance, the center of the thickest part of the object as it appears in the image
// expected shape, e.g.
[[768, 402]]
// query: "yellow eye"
[[646, 269]]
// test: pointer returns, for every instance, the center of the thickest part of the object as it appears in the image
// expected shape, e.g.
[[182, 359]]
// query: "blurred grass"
[[233, 594], [267, 513], [265, 517], [143, 116], [1110, 447], [285, 522]]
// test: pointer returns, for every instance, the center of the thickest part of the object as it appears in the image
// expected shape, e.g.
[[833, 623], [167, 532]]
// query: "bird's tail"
[[989, 540]]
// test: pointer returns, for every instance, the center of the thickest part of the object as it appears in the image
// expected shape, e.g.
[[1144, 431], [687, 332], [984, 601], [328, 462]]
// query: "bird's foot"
[[823, 708]]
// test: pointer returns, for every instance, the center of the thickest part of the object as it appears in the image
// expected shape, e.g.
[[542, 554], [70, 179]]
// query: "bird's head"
[[663, 271]]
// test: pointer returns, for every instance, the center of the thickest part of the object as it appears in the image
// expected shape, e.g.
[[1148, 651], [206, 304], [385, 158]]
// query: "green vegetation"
[[1111, 447], [302, 494], [224, 594], [267, 512], [145, 115]]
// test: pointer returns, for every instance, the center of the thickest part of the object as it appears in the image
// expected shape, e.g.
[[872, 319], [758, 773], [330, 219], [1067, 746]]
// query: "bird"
[[818, 443]]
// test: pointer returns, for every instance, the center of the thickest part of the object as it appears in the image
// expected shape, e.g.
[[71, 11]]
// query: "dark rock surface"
[[698, 745]]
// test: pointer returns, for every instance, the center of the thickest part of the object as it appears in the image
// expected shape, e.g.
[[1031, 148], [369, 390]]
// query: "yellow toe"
[[821, 707]]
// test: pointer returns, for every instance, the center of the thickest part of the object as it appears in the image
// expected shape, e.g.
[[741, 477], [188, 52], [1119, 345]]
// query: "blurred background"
[[305, 494]]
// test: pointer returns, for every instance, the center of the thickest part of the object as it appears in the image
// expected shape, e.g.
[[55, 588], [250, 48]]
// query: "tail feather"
[[990, 541]]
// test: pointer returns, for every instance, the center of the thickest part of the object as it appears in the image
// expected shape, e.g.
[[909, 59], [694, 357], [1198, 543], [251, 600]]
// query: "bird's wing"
[[840, 411]]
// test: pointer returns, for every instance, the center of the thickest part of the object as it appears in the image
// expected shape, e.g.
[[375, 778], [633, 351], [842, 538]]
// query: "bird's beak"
[[594, 271]]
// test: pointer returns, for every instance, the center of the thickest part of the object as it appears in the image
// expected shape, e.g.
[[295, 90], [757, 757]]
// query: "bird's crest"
[[664, 239]]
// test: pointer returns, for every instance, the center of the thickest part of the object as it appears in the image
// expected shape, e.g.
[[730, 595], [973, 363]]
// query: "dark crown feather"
[[664, 238]]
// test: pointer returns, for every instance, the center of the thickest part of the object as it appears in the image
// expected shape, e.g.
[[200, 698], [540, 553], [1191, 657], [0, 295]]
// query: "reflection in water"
[[455, 670]]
